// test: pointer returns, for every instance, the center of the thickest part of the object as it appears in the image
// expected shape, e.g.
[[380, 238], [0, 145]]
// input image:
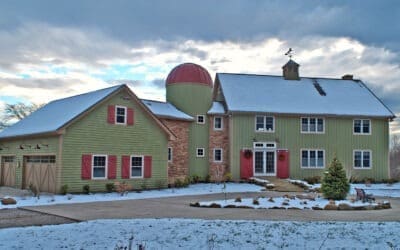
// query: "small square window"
[[362, 126], [264, 123], [217, 123], [120, 115], [217, 155], [200, 119], [200, 152], [362, 159]]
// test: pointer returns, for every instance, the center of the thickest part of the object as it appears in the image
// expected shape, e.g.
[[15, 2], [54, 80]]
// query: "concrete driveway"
[[178, 207]]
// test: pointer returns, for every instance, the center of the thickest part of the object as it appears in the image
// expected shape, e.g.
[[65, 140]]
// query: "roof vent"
[[347, 77], [318, 87]]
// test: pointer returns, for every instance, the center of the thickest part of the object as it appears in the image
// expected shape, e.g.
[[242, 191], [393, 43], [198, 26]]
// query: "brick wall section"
[[179, 166], [219, 139]]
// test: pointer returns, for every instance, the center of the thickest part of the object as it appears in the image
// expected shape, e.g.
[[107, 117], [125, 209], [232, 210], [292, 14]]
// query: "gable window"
[[362, 158], [218, 123], [265, 123], [314, 158], [312, 125], [362, 126], [169, 154], [120, 115], [99, 167], [136, 166], [200, 119], [200, 152], [217, 154]]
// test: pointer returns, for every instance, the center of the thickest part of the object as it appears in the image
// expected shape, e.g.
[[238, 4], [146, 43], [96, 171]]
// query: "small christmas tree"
[[334, 184]]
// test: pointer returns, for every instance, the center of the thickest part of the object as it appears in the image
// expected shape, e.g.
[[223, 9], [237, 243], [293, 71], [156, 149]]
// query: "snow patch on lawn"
[[205, 234], [195, 189]]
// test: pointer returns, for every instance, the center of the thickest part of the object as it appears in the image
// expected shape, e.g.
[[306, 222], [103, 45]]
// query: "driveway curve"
[[178, 207]]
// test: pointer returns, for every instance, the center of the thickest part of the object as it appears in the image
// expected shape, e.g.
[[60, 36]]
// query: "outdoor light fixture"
[[40, 145]]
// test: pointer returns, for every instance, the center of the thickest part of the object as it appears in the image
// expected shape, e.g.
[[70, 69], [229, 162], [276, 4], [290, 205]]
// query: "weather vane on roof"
[[289, 53]]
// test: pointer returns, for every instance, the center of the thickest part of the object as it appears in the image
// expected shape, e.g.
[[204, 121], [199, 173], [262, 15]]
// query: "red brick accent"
[[178, 168], [219, 139]]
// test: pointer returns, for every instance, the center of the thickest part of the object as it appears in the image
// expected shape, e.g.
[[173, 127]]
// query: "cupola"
[[291, 70]]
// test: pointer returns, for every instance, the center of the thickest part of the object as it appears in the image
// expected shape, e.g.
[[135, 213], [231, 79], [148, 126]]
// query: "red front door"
[[283, 163]]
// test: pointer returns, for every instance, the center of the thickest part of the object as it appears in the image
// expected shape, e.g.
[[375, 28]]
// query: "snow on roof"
[[166, 109], [274, 94], [56, 114], [216, 108]]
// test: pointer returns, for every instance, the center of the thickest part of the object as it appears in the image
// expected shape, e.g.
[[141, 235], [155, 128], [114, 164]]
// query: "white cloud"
[[68, 61]]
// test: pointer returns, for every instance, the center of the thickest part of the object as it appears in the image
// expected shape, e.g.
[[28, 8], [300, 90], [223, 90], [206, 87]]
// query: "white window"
[[200, 119], [200, 152], [137, 166], [217, 154], [312, 125], [99, 167], [362, 158], [169, 154], [362, 126], [265, 123], [218, 123], [312, 158], [120, 115]]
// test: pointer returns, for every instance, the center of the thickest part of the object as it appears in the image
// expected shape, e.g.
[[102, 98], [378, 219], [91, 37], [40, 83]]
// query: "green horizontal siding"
[[12, 147], [194, 99], [338, 139], [93, 135]]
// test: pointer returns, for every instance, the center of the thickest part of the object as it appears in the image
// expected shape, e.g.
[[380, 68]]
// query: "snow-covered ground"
[[204, 234], [195, 189]]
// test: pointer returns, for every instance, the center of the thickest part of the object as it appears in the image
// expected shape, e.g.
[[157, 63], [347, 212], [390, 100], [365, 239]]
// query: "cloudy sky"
[[52, 49]]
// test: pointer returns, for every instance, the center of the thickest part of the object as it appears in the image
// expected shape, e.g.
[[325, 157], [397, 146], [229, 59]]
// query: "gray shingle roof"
[[274, 94]]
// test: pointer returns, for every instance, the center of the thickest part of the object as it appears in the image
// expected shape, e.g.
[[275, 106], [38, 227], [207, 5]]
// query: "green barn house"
[[246, 124]]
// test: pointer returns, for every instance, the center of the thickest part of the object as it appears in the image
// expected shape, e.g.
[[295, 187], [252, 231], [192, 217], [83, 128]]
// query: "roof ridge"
[[87, 93], [305, 77]]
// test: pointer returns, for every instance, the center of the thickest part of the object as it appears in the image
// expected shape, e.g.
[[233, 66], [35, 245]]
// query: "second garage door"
[[40, 172]]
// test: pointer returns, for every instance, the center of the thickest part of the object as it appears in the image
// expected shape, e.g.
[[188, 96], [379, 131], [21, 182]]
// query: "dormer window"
[[120, 115]]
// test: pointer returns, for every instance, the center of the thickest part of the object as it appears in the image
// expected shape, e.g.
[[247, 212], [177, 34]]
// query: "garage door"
[[8, 169], [40, 171]]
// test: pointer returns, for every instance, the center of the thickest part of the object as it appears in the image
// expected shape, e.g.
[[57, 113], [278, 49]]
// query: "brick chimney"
[[347, 77], [291, 70]]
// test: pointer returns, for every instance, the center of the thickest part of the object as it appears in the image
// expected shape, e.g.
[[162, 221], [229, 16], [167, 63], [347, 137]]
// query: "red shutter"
[[126, 162], [130, 119], [147, 166], [112, 167], [86, 170], [111, 114], [246, 164]]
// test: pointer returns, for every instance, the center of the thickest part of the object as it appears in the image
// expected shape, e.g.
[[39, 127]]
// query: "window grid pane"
[[357, 159], [304, 124], [312, 125], [366, 159], [320, 162], [304, 158], [320, 125], [357, 126], [217, 155], [120, 115], [366, 126], [269, 123], [259, 123], [136, 166], [313, 162]]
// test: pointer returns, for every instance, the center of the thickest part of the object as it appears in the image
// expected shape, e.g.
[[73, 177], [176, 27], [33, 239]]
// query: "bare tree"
[[16, 112]]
